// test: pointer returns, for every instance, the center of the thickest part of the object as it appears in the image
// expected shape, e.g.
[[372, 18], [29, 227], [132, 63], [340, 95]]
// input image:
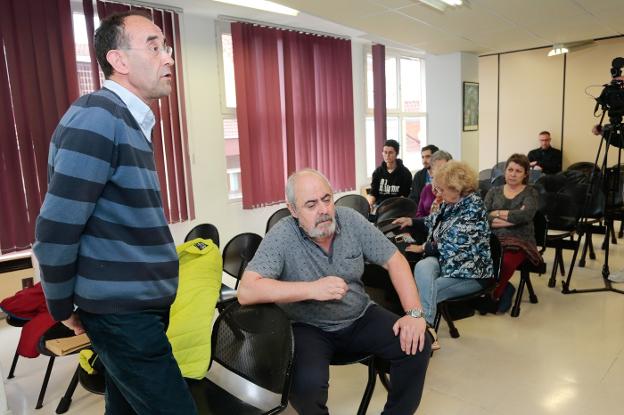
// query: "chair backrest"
[[256, 342], [204, 231], [585, 167], [498, 170], [357, 202], [496, 250], [276, 217], [396, 207], [238, 252], [485, 174], [534, 175]]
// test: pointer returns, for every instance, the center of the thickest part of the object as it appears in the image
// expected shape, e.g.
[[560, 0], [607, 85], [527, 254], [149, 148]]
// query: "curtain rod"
[[147, 4], [232, 19]]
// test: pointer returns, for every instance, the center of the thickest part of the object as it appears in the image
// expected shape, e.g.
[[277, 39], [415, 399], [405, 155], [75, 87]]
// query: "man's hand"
[[412, 333], [533, 163], [403, 222], [74, 323], [329, 288]]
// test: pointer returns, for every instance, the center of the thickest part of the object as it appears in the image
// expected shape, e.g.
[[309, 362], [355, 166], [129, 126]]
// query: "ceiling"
[[482, 26]]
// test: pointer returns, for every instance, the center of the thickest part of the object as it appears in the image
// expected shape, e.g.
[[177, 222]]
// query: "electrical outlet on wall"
[[28, 282]]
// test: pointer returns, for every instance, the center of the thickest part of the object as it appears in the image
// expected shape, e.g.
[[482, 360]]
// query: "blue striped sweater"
[[102, 240]]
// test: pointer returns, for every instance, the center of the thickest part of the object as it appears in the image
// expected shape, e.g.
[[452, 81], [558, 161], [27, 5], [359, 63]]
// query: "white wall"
[[201, 76], [444, 113], [469, 139]]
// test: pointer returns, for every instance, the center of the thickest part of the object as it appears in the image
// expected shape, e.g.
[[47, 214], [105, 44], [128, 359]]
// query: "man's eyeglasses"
[[155, 50]]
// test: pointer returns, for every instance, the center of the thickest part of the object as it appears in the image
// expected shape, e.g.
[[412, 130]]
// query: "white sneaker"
[[617, 276]]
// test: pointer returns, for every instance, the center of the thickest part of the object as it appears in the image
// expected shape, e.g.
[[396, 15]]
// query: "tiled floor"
[[562, 356]]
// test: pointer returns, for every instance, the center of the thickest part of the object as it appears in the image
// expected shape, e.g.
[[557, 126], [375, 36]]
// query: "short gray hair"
[[290, 183], [440, 155]]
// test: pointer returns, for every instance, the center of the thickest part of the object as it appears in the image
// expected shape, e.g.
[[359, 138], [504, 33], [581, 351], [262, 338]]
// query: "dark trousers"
[[372, 333], [142, 376]]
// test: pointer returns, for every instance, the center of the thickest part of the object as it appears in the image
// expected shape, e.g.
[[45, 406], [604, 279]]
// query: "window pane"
[[414, 139], [228, 70], [370, 97], [412, 87], [232, 158], [393, 129], [392, 91]]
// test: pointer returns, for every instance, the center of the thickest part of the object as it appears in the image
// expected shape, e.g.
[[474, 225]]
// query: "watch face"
[[415, 313]]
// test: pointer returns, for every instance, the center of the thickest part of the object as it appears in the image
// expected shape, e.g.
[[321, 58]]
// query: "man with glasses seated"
[[102, 239], [311, 264], [545, 158]]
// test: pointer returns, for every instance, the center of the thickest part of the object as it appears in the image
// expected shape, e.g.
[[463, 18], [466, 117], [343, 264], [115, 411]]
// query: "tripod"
[[610, 178]]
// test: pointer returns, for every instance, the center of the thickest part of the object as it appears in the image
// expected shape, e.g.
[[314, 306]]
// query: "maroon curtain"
[[319, 106], [169, 135], [259, 113], [294, 94], [38, 81], [379, 94]]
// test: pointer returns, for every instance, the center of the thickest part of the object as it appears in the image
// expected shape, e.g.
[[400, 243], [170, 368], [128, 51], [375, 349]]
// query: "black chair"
[[444, 308], [540, 226], [15, 322], [204, 231], [357, 202], [94, 383], [498, 170], [238, 252], [210, 231], [396, 207], [255, 343], [276, 217], [485, 174], [562, 197], [370, 362]]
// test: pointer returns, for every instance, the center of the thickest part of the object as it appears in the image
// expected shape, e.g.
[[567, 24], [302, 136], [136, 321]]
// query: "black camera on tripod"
[[611, 99]]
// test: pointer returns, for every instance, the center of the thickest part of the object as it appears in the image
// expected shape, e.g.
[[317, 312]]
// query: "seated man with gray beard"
[[311, 264]]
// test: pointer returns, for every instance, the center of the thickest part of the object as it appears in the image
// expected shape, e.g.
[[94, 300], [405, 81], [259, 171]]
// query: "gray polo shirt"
[[287, 254]]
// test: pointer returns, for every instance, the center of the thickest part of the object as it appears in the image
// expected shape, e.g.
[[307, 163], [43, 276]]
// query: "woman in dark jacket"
[[511, 208]]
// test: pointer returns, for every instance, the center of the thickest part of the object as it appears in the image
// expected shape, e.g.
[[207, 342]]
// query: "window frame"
[[396, 112]]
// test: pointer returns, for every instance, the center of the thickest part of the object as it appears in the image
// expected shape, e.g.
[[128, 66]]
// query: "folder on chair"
[[66, 345]]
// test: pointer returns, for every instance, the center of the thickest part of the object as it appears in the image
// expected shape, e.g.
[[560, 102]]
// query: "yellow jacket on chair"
[[192, 312]]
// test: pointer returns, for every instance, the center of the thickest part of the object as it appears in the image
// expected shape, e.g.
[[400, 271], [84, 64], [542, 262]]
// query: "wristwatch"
[[416, 313]]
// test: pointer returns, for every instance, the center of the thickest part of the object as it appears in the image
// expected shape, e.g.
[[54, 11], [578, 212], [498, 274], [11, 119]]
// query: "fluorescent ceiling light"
[[265, 5], [558, 50], [441, 5]]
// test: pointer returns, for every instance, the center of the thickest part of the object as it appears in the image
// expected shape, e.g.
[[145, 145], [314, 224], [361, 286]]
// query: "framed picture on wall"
[[471, 106]]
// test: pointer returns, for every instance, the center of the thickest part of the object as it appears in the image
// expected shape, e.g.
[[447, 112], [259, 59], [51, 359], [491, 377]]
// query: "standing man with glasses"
[[107, 258]]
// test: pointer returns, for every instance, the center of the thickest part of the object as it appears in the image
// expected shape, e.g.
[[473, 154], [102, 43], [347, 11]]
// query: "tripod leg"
[[585, 247]]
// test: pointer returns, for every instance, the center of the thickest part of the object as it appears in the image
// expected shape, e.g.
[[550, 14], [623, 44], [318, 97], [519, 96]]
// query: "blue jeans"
[[433, 288], [142, 376]]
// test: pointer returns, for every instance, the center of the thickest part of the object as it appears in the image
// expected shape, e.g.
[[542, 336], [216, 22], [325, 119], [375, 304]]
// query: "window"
[[230, 125], [83, 59], [405, 106]]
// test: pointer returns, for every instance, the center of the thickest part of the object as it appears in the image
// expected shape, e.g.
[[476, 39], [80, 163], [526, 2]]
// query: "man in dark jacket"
[[423, 176], [546, 157], [392, 178]]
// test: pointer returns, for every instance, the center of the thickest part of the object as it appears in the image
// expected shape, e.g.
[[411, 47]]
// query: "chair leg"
[[13, 364], [44, 386], [370, 387], [592, 252], [436, 320], [515, 310], [529, 285], [449, 320], [561, 267], [566, 283], [553, 274], [63, 405], [585, 248]]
